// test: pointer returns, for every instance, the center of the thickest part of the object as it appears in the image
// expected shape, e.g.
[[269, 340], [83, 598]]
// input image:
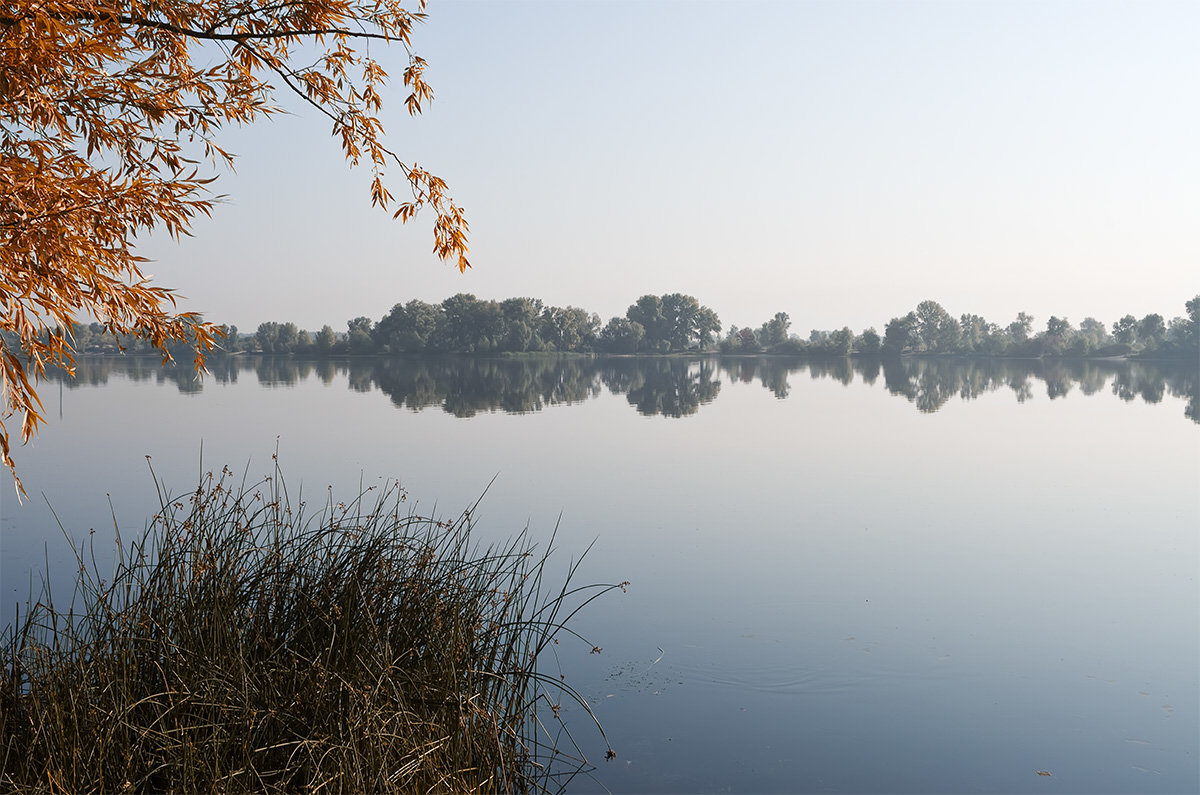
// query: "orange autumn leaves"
[[109, 121]]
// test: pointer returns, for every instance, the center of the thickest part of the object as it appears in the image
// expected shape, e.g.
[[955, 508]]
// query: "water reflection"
[[830, 626], [668, 387]]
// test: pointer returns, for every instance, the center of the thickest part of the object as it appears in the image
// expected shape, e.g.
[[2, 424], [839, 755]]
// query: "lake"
[[921, 576]]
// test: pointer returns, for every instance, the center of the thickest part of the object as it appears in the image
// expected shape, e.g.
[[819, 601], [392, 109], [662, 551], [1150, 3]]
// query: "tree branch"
[[208, 35]]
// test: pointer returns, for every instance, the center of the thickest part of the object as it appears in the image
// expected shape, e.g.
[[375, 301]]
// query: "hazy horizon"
[[840, 162]]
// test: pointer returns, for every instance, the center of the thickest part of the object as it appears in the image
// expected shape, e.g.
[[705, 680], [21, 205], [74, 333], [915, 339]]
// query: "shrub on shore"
[[243, 644]]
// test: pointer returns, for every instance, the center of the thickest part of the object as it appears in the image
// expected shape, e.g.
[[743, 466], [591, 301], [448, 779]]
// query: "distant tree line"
[[930, 329], [675, 323], [466, 324]]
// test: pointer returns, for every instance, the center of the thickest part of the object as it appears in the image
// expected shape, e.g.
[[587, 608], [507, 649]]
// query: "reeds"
[[245, 645]]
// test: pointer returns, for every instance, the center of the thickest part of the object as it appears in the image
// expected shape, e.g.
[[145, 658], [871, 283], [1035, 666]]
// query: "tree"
[[467, 324], [569, 329], [1151, 331], [1019, 329], [408, 327], [900, 334], [648, 313], [841, 342], [304, 343], [108, 115], [325, 340], [288, 337], [672, 322], [740, 340], [358, 335], [775, 330], [1125, 330], [708, 326], [974, 332], [868, 343], [1184, 332], [684, 315], [621, 335], [937, 331], [266, 336], [1058, 336], [1058, 327], [520, 316], [1093, 333]]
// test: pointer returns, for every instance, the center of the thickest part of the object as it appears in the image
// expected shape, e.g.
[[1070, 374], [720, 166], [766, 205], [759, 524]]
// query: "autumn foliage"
[[109, 120]]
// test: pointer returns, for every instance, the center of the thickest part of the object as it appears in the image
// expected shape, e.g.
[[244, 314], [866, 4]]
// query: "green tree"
[[681, 313], [288, 336], [325, 340], [1057, 339], [520, 318], [1184, 332], [304, 343], [775, 330], [937, 331], [407, 327], [457, 330], [1058, 327], [647, 312], [900, 334], [468, 325], [841, 342], [1125, 330], [974, 333], [708, 326], [81, 336], [1093, 333], [687, 322], [869, 343], [267, 335], [358, 335], [569, 329], [621, 335], [1021, 328], [1152, 331], [739, 340]]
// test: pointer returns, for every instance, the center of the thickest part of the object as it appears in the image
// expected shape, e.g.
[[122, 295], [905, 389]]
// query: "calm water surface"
[[932, 576]]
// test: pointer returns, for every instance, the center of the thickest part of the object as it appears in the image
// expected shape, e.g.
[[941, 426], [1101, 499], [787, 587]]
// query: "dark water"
[[927, 576]]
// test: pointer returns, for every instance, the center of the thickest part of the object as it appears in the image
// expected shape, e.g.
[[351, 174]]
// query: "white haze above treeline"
[[835, 160]]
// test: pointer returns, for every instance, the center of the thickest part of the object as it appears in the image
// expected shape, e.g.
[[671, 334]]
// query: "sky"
[[839, 161]]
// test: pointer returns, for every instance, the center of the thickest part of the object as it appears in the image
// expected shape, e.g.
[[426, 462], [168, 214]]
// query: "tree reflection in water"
[[670, 387], [661, 386]]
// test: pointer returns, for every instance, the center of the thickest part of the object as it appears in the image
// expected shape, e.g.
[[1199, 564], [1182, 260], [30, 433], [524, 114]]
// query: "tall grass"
[[244, 643]]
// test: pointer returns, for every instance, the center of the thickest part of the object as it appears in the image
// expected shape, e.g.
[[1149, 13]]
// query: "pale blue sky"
[[839, 161]]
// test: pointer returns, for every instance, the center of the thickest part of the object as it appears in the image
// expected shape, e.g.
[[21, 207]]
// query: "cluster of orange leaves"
[[109, 112]]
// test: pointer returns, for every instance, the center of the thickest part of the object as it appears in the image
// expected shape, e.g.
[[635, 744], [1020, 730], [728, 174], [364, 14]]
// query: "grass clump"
[[243, 644]]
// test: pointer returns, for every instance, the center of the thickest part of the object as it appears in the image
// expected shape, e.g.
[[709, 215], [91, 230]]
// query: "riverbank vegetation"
[[676, 323], [244, 644]]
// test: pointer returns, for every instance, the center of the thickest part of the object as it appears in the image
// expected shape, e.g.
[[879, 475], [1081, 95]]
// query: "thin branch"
[[142, 22]]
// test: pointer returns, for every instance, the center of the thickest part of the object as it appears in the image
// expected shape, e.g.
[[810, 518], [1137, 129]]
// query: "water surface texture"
[[923, 576]]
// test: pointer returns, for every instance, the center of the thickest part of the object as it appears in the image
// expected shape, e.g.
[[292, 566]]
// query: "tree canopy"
[[109, 122]]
